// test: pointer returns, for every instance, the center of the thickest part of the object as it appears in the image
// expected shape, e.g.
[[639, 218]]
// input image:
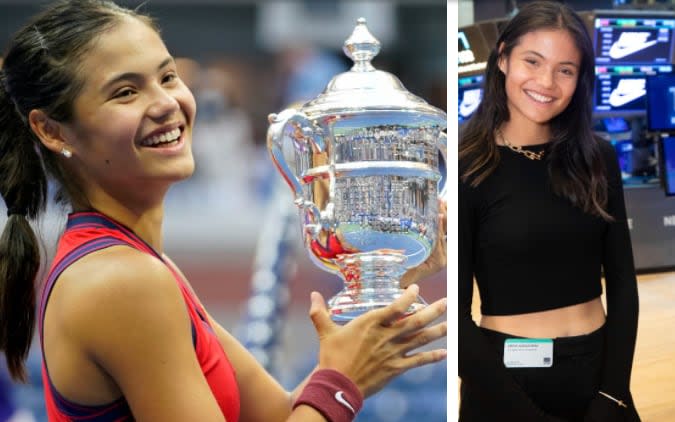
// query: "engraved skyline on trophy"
[[365, 176]]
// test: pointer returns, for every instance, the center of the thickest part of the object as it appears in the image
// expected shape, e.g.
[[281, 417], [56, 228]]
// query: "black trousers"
[[563, 390]]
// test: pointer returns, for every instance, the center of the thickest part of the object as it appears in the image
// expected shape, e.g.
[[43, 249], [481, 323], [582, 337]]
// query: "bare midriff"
[[575, 320]]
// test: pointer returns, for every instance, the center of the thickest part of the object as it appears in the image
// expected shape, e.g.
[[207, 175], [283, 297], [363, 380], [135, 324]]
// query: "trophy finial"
[[361, 46]]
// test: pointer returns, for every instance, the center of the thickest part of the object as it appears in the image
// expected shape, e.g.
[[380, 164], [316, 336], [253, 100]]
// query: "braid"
[[23, 186], [40, 72]]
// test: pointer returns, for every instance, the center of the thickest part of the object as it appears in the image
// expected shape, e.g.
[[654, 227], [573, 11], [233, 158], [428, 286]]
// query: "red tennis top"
[[88, 232]]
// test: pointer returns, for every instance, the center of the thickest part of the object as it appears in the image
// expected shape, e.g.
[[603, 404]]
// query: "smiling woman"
[[542, 76], [90, 94], [541, 217], [125, 110]]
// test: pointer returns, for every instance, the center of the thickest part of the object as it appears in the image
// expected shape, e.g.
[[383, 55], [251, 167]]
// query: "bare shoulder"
[[117, 273], [125, 311], [113, 289]]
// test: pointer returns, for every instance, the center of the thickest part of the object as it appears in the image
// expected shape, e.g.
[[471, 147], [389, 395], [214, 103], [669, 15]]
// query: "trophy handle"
[[296, 126], [443, 148]]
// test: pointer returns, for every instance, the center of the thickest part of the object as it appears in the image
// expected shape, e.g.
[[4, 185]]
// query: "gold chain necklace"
[[529, 154]]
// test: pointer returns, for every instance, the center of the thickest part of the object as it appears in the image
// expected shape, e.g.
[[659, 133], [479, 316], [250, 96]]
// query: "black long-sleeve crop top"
[[530, 250]]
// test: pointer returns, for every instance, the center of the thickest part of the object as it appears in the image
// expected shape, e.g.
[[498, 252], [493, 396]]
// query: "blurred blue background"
[[232, 227]]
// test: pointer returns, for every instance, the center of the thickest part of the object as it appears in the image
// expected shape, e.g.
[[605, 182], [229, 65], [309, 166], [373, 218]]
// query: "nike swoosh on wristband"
[[339, 396]]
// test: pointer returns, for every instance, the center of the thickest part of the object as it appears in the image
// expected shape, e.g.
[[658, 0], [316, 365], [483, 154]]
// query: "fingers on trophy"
[[380, 344], [365, 176]]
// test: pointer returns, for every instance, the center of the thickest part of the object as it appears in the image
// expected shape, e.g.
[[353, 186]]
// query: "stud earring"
[[66, 153]]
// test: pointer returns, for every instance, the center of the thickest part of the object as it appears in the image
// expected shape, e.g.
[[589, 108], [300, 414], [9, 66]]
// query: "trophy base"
[[343, 308], [371, 282]]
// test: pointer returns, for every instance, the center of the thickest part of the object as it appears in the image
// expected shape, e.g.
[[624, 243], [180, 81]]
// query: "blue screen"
[[469, 95], [668, 164], [624, 153], [630, 40], [615, 124], [629, 47], [620, 92], [623, 89], [661, 103]]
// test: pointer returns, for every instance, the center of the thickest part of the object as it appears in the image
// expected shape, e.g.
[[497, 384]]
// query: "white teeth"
[[162, 138], [538, 97]]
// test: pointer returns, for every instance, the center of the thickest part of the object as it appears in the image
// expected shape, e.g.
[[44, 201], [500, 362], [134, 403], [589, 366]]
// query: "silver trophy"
[[362, 160]]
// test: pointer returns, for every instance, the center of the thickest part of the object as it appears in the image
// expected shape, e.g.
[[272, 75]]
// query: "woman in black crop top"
[[541, 217]]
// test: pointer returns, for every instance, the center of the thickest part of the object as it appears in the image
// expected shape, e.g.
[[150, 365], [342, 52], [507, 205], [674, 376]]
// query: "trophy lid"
[[364, 88]]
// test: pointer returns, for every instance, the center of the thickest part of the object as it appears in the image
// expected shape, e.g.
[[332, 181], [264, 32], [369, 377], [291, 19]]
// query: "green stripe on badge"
[[529, 340]]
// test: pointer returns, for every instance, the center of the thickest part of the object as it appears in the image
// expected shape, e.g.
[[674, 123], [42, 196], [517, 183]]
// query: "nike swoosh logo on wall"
[[339, 396]]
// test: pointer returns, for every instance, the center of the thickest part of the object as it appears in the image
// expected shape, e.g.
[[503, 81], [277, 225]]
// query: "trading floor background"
[[232, 227]]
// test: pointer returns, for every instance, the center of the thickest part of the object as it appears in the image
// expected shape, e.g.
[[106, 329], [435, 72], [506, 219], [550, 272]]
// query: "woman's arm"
[[369, 351], [377, 363], [129, 317], [249, 372], [254, 382], [622, 302]]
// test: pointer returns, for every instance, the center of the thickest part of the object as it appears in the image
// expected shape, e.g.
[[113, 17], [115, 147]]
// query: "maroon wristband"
[[333, 395]]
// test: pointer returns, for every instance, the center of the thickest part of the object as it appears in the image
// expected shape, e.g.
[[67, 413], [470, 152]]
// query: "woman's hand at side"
[[377, 346], [603, 409]]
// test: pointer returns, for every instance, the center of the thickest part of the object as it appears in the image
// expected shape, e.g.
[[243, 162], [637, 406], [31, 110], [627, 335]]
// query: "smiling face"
[[541, 74], [131, 133]]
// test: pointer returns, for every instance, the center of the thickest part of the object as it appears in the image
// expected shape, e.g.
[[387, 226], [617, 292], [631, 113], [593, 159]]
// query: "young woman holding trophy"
[[541, 214], [90, 96]]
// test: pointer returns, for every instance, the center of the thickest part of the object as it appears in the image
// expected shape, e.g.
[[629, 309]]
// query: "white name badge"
[[528, 352]]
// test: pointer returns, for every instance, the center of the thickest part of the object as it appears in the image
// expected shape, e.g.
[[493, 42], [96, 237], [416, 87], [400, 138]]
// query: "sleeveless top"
[[85, 233]]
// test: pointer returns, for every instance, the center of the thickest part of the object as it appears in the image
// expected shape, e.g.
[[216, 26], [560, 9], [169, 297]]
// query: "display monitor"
[[661, 103], [667, 164], [469, 95], [614, 125], [640, 39], [624, 154], [622, 90]]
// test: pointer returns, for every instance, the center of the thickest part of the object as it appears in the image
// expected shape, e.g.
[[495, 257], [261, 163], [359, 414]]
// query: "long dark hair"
[[575, 164], [40, 71]]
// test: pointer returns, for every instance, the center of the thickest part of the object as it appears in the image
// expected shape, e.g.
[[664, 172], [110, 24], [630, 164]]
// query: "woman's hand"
[[602, 409], [375, 347], [439, 256]]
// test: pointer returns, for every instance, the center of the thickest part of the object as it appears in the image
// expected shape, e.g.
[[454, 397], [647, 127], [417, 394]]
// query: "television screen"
[[620, 93], [615, 125], [469, 95], [624, 153], [622, 90], [661, 103], [668, 164], [633, 40]]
